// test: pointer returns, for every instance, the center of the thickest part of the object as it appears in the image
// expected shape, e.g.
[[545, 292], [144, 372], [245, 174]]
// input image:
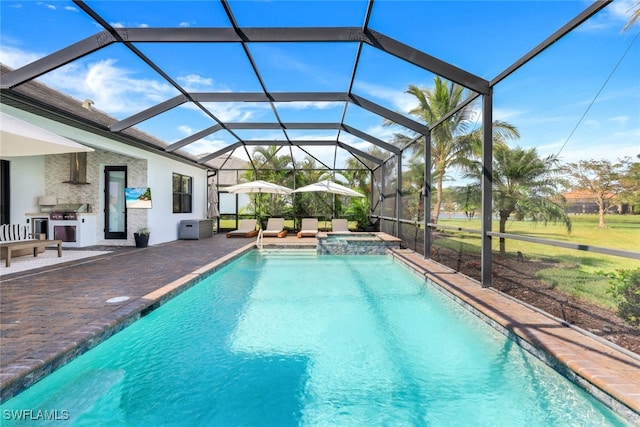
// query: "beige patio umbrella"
[[20, 138], [259, 187], [327, 186], [212, 210]]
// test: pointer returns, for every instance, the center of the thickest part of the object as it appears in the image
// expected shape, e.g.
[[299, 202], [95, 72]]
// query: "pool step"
[[288, 253]]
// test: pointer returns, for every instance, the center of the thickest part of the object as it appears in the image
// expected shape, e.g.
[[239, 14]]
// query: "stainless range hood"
[[78, 169], [71, 207]]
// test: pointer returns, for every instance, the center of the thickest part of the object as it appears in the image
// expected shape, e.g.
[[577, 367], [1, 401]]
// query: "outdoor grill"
[[68, 212], [65, 224]]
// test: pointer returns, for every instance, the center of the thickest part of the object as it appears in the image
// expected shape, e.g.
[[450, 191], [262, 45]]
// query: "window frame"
[[182, 197]]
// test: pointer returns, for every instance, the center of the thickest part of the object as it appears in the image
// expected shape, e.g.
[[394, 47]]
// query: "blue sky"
[[579, 99]]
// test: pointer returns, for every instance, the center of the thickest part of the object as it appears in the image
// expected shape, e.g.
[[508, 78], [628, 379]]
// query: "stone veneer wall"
[[355, 247], [57, 170]]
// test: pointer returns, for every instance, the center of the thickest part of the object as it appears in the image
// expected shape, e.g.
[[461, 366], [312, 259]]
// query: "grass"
[[576, 273], [587, 287]]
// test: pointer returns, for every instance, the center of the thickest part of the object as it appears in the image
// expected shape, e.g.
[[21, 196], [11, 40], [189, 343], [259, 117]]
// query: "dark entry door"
[[5, 192], [115, 213]]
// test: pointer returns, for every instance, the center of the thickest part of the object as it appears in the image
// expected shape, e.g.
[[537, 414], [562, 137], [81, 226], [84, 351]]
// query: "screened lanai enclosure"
[[406, 102]]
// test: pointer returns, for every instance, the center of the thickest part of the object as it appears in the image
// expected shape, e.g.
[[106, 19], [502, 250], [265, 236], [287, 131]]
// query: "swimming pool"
[[298, 339]]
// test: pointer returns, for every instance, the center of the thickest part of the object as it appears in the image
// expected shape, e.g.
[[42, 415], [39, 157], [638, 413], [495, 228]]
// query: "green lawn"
[[575, 273], [622, 232]]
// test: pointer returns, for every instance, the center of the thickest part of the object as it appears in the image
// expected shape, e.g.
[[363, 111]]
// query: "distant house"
[[580, 201], [584, 202]]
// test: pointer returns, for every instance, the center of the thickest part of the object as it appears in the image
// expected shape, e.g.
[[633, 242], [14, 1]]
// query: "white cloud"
[[231, 111], [594, 25], [16, 58], [280, 59], [591, 123], [327, 154], [398, 99], [113, 90], [186, 130], [385, 133], [194, 82], [622, 9], [616, 14], [593, 145], [632, 136], [619, 120], [205, 146], [505, 114], [125, 25], [305, 105], [576, 153], [328, 136]]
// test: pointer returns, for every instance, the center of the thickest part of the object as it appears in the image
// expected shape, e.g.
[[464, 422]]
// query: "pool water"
[[281, 339]]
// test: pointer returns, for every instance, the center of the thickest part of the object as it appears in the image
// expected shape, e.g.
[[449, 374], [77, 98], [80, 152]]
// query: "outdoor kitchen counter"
[[69, 223], [46, 214]]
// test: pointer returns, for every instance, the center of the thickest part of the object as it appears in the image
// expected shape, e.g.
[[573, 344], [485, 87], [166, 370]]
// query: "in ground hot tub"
[[355, 243]]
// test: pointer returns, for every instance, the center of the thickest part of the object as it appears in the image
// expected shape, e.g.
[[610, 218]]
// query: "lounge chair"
[[309, 227], [247, 228], [340, 226], [275, 228]]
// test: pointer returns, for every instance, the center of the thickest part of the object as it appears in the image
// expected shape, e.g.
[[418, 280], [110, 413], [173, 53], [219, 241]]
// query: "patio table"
[[7, 248]]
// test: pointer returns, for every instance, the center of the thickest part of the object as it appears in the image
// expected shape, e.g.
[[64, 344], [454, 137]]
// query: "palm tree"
[[412, 181], [271, 168], [308, 204], [454, 142], [635, 15], [468, 199], [276, 168], [525, 185]]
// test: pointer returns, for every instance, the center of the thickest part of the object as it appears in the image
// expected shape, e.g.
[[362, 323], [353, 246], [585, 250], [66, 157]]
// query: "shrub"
[[358, 211], [625, 287]]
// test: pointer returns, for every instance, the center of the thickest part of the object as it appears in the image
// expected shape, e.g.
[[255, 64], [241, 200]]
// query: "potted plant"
[[142, 237]]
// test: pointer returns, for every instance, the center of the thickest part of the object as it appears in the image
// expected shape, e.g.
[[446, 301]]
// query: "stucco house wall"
[[34, 176]]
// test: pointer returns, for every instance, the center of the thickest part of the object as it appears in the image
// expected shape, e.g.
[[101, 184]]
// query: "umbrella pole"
[[333, 206]]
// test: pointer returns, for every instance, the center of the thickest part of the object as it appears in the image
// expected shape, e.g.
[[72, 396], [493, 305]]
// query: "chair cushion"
[[275, 224], [10, 232]]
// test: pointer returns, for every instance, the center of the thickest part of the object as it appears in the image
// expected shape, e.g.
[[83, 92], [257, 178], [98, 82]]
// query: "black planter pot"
[[142, 240]]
